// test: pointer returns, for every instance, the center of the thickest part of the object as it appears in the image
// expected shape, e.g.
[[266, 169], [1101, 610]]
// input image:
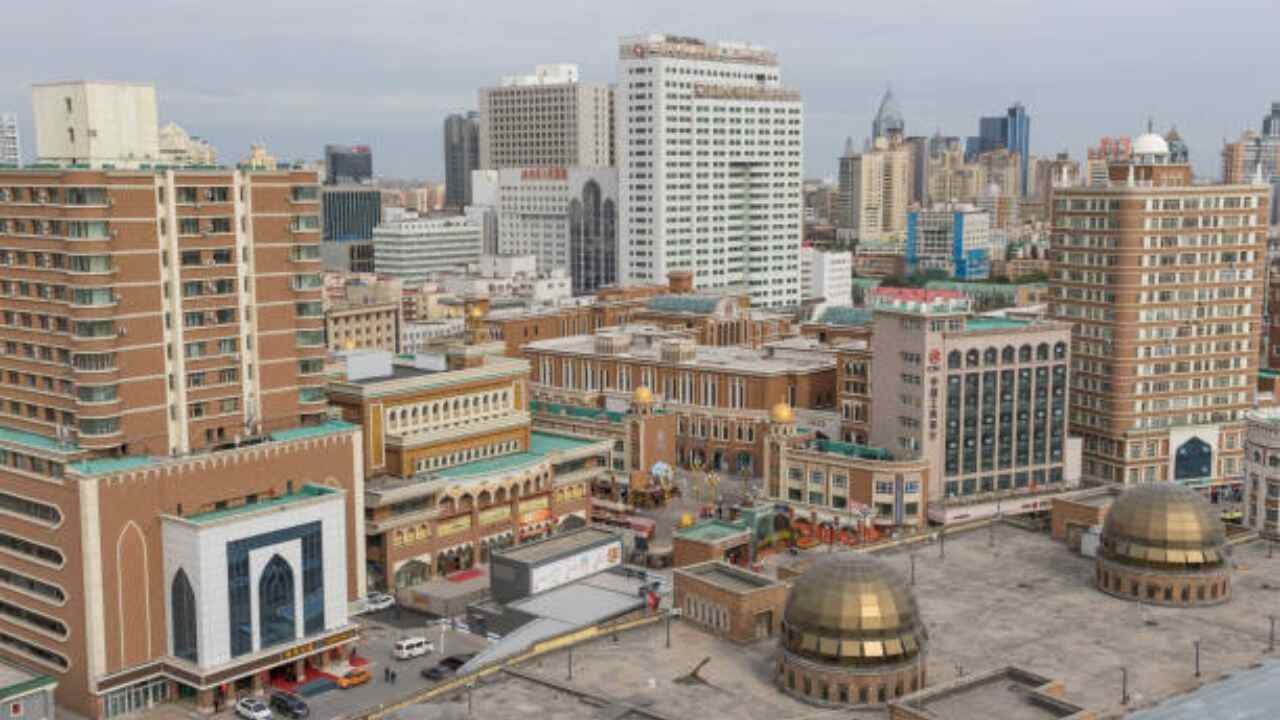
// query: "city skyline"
[[840, 59]]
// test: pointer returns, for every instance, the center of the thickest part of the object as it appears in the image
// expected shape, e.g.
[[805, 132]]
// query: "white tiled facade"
[[414, 249], [200, 549], [95, 123], [10, 148], [828, 275], [709, 156], [533, 209]]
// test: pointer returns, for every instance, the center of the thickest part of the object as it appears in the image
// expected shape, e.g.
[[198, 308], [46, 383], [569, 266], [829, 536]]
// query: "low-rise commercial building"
[[730, 601], [953, 238], [374, 326]]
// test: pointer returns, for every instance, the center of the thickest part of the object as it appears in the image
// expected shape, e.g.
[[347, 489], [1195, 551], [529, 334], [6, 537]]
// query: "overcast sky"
[[296, 74]]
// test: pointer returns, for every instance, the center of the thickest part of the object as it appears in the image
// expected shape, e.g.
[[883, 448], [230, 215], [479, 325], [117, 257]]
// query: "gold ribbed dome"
[[1163, 524], [782, 413], [642, 395], [477, 311], [852, 608]]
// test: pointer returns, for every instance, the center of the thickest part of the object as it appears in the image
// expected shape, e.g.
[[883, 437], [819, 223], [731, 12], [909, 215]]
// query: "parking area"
[[379, 633]]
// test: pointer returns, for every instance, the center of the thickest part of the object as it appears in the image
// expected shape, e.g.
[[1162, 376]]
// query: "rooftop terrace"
[[711, 531], [854, 450], [541, 444]]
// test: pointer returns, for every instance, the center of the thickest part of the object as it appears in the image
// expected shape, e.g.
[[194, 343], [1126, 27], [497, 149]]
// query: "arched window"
[[971, 359], [953, 359], [1042, 351], [1059, 351], [1194, 459], [1024, 353], [990, 356], [1007, 354], [277, 616], [182, 610]]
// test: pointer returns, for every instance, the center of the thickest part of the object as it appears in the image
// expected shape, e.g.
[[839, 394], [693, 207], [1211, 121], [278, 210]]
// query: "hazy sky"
[[296, 74]]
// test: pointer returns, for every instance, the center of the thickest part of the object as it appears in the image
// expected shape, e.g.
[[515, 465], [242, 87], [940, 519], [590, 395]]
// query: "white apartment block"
[[95, 124], [415, 249], [874, 193], [10, 148], [547, 119], [827, 275], [709, 154]]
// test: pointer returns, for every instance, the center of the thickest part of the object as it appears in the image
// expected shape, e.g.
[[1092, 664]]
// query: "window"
[[276, 618], [99, 426], [40, 512], [184, 613]]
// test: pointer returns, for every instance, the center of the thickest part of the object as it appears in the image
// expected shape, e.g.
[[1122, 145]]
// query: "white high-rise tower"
[[9, 148], [709, 152]]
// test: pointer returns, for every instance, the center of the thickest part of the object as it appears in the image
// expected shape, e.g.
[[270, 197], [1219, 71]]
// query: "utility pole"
[[1124, 686], [1271, 642], [913, 576], [1197, 644], [571, 662], [668, 628]]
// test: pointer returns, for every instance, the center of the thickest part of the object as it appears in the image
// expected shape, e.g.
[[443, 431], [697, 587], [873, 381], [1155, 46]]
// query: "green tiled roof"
[[106, 466], [540, 445], [711, 530], [848, 316], [983, 322], [576, 411], [309, 431], [26, 686], [32, 440], [697, 304], [306, 493], [865, 452]]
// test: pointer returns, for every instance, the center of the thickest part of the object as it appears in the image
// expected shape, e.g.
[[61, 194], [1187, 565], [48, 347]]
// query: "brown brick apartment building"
[[1162, 280], [161, 402]]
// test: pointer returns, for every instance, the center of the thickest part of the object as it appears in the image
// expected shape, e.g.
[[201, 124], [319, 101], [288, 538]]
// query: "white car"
[[378, 601], [251, 708]]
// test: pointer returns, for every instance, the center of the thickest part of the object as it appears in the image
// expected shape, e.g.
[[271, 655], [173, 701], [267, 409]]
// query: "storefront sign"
[[537, 503], [495, 515], [308, 648], [536, 516], [546, 173], [454, 526], [567, 570]]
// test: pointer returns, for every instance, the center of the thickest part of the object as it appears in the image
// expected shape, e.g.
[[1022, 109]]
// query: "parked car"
[[288, 704], [378, 601], [354, 677], [446, 667], [251, 708], [412, 647]]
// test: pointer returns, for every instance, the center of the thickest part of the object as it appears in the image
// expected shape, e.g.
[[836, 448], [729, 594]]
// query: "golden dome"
[[1162, 523], [349, 345], [642, 395], [852, 608], [477, 311], [782, 413]]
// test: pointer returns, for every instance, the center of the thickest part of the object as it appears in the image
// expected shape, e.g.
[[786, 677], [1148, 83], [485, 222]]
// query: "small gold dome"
[[477, 312], [1163, 524], [349, 344], [852, 607], [642, 395], [782, 413]]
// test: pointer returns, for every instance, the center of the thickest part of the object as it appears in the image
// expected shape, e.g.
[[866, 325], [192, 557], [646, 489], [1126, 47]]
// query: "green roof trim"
[[576, 411], [1264, 372], [26, 687], [541, 444], [106, 466], [983, 322], [38, 442], [309, 431], [845, 316], [306, 493], [696, 304], [865, 452]]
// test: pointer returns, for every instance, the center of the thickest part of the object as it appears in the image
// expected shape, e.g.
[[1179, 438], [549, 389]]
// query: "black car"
[[446, 667], [289, 705]]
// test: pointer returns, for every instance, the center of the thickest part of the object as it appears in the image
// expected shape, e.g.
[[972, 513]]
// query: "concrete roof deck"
[[558, 545], [709, 357], [728, 577], [1006, 693]]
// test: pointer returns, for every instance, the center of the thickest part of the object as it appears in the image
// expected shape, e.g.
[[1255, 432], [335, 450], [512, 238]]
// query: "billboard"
[[566, 570]]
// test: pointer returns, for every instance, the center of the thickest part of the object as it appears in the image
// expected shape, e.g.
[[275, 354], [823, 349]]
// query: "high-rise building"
[[349, 213], [1257, 153], [415, 249], [347, 164], [828, 276], [259, 158], [701, 188], [953, 238], [950, 178], [89, 123], [983, 399], [547, 119], [164, 421], [888, 122], [10, 147], [461, 157], [917, 147], [874, 194], [1012, 131], [178, 147], [565, 217], [1163, 281], [1055, 172]]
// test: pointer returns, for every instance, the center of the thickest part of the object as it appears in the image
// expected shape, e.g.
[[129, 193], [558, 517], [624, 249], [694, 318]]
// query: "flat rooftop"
[[16, 680], [308, 492], [558, 545], [728, 577], [1028, 602], [1007, 693], [729, 357], [1250, 695], [398, 372], [541, 444]]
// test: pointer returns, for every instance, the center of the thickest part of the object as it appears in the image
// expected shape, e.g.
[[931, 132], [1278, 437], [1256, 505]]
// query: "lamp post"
[[1124, 686], [1197, 644]]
